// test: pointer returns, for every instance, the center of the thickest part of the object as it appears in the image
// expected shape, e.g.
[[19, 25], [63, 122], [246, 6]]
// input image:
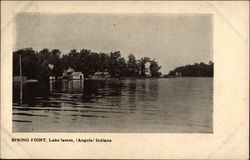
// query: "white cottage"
[[77, 75]]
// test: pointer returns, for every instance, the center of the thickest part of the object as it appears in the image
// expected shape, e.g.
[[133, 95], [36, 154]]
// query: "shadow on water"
[[154, 88], [67, 90], [31, 93], [71, 92]]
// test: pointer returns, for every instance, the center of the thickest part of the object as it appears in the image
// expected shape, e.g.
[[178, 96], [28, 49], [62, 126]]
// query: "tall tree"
[[154, 69], [113, 65], [143, 68], [132, 66]]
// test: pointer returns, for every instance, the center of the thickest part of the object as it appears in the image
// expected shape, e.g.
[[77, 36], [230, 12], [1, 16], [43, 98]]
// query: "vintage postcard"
[[143, 79]]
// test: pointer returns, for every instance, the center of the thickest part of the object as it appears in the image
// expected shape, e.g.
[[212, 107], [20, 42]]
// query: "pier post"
[[21, 80]]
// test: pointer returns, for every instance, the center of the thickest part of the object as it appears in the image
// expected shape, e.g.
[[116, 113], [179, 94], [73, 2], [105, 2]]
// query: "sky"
[[172, 39]]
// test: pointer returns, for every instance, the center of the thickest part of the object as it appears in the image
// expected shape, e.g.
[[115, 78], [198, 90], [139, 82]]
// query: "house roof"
[[105, 73], [101, 73], [76, 73], [70, 70], [97, 73]]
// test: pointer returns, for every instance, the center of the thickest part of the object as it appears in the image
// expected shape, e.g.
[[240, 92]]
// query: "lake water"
[[174, 105]]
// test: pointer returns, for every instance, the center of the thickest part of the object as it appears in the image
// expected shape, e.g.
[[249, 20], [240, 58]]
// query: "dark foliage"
[[37, 65], [195, 70]]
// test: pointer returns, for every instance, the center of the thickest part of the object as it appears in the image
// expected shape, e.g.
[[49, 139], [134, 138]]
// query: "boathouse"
[[101, 75], [77, 75]]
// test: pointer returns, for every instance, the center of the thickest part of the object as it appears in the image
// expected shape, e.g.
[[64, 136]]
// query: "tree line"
[[196, 70], [35, 65]]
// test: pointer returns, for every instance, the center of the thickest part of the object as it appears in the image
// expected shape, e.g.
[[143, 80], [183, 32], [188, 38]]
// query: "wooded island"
[[46, 63]]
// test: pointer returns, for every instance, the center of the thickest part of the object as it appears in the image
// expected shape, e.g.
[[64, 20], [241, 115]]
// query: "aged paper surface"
[[229, 139]]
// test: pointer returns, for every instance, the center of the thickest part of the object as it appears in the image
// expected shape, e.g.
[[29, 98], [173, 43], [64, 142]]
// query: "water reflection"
[[154, 88], [114, 106]]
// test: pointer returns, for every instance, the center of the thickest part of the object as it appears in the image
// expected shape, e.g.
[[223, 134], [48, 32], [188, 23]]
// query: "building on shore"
[[101, 75], [77, 75], [70, 74], [178, 74], [52, 78]]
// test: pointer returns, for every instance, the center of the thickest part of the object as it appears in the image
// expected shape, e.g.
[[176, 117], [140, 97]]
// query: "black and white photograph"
[[124, 80], [112, 73]]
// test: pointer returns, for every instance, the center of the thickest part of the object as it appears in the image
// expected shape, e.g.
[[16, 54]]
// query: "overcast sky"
[[171, 39]]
